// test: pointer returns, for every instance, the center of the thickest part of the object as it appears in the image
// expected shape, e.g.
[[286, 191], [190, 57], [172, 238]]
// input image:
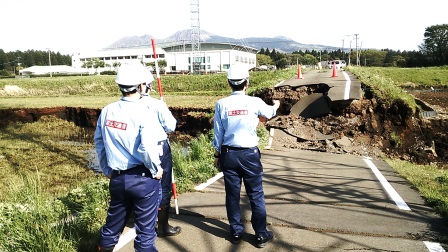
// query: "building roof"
[[162, 49], [209, 46]]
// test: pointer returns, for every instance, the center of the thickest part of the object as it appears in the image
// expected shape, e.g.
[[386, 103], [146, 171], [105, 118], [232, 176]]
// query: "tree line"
[[12, 62]]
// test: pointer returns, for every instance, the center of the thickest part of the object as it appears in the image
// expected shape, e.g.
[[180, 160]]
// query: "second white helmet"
[[133, 75], [237, 74]]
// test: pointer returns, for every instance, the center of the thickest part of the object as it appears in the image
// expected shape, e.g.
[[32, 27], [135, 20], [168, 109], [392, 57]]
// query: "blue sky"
[[71, 26]]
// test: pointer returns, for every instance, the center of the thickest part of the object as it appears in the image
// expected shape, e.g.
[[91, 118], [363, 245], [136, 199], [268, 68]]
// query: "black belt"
[[137, 170], [226, 148]]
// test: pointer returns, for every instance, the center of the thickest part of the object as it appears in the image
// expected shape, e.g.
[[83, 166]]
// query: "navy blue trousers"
[[166, 159], [237, 165], [132, 191]]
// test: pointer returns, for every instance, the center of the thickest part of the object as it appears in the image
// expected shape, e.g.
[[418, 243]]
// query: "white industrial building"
[[213, 57]]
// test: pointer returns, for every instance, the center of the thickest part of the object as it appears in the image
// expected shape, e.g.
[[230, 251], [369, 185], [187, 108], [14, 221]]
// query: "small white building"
[[56, 69], [213, 57]]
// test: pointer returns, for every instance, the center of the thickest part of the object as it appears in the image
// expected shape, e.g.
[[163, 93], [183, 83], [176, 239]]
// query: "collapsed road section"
[[313, 96], [341, 115]]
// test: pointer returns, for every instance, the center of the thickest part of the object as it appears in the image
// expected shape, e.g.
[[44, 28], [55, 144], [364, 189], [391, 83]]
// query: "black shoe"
[[236, 238], [169, 231], [105, 249], [262, 241]]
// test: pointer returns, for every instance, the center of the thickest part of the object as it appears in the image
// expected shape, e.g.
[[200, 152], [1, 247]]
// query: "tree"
[[309, 60], [294, 58], [87, 64], [97, 63], [116, 65], [281, 63], [3, 60], [267, 52], [435, 43], [377, 58], [160, 63], [39, 58], [28, 60], [264, 60]]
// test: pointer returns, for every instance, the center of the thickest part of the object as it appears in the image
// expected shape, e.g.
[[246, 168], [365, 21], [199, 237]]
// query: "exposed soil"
[[366, 127]]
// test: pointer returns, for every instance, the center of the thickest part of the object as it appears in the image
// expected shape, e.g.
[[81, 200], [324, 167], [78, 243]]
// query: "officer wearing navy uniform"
[[127, 151], [167, 125], [237, 155]]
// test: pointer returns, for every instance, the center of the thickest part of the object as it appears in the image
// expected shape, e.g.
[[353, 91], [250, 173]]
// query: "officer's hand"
[[276, 104], [159, 174], [217, 164], [109, 176]]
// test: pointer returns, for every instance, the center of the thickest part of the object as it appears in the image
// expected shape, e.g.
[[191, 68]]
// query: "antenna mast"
[[195, 36]]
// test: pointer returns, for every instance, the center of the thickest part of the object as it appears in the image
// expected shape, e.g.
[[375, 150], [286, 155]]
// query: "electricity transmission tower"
[[195, 36]]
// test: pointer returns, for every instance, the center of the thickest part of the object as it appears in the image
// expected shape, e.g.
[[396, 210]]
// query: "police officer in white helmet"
[[128, 155], [237, 155], [167, 125]]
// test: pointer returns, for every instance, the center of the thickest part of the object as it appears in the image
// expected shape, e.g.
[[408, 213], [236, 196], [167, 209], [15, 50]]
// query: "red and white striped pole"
[[173, 185], [159, 83]]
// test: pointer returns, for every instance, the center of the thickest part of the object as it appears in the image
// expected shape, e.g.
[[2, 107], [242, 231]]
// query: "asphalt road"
[[315, 201]]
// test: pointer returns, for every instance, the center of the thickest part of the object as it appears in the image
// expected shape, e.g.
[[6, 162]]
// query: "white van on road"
[[339, 64]]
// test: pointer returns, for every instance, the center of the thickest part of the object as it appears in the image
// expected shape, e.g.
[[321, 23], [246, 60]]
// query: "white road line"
[[434, 247], [209, 182], [389, 189], [347, 86], [125, 239]]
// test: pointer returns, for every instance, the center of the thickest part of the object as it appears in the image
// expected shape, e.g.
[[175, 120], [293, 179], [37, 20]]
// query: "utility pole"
[[18, 65], [360, 46], [357, 56], [349, 53], [350, 49], [49, 61]]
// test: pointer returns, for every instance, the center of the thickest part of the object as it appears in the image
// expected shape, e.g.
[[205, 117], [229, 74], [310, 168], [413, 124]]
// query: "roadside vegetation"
[[53, 200], [97, 91]]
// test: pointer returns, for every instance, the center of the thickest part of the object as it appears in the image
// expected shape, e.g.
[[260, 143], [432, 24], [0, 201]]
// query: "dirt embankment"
[[367, 127], [190, 121]]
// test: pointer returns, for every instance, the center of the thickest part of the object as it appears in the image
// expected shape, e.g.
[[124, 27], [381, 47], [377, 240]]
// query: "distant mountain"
[[282, 44]]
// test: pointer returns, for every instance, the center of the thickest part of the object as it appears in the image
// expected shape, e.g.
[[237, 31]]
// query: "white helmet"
[[237, 74], [130, 76]]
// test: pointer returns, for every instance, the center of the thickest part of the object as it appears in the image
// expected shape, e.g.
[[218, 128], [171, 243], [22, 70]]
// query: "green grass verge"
[[429, 180]]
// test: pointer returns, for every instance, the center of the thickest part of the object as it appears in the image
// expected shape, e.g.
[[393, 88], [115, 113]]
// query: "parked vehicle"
[[339, 64]]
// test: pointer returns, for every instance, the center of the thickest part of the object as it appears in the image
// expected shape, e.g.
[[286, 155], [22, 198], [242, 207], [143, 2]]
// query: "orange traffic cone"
[[299, 72], [335, 71]]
